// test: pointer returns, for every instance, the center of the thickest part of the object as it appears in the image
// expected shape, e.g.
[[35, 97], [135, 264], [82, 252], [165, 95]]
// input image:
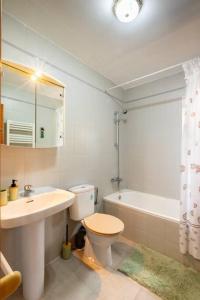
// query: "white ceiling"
[[165, 33]]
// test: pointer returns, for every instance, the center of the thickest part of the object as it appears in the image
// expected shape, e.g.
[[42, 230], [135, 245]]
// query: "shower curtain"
[[190, 164]]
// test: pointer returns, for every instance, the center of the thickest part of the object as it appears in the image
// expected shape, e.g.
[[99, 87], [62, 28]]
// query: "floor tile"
[[72, 280], [144, 294]]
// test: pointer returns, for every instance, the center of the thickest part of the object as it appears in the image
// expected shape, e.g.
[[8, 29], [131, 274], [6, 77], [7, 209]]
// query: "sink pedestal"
[[29, 214], [33, 249]]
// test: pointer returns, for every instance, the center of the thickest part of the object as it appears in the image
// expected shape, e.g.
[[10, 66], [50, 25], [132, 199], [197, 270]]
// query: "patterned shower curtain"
[[190, 165]]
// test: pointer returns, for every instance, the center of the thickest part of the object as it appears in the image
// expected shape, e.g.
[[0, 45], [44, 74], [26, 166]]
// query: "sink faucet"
[[28, 189]]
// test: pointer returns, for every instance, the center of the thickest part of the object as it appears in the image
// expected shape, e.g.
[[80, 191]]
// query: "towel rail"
[[20, 133]]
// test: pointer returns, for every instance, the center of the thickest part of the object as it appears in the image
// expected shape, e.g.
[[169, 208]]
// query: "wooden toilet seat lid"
[[104, 224]]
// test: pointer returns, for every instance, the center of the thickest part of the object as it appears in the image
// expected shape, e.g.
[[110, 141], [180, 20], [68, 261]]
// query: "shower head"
[[125, 111]]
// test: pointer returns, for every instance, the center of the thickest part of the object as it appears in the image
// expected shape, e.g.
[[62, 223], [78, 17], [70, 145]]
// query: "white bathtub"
[[155, 205], [148, 219]]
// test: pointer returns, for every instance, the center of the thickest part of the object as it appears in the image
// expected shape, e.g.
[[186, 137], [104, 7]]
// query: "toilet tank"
[[83, 205]]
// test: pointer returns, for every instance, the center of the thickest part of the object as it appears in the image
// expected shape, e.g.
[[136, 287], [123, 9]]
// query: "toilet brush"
[[66, 249]]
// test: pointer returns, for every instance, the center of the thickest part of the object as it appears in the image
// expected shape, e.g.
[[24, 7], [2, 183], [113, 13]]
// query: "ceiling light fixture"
[[127, 10]]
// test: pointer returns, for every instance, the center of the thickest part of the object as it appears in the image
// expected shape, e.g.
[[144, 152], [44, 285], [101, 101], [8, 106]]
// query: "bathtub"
[[149, 219], [151, 204]]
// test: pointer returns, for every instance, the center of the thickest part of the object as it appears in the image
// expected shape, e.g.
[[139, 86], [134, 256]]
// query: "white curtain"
[[190, 165]]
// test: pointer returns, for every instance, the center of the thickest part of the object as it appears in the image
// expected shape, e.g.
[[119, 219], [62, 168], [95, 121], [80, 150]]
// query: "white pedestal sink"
[[29, 214]]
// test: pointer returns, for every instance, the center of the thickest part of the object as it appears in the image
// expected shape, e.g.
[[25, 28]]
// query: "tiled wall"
[[88, 155], [153, 137], [154, 232], [150, 139]]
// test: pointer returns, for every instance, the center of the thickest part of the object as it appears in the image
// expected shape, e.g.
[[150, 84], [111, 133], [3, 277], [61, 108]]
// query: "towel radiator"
[[20, 133]]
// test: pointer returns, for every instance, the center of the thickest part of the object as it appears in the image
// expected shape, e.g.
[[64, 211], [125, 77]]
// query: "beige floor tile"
[[72, 280], [90, 278], [144, 294]]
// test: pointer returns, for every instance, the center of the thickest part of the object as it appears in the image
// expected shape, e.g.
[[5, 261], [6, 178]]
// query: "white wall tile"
[[153, 141], [88, 152]]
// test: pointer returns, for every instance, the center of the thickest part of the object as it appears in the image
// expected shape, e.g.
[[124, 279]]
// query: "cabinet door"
[[32, 110], [49, 115], [18, 99]]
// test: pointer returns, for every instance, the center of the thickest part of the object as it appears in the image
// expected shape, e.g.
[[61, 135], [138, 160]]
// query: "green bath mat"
[[162, 275]]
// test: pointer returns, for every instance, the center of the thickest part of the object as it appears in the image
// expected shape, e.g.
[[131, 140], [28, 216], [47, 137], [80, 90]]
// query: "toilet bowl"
[[102, 231]]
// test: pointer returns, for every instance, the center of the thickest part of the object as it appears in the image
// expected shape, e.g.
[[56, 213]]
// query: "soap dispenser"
[[13, 191]]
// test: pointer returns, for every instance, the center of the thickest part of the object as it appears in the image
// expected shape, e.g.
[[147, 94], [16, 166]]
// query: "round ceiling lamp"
[[127, 10]]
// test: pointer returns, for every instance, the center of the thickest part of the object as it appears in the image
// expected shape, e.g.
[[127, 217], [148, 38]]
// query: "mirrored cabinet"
[[32, 108]]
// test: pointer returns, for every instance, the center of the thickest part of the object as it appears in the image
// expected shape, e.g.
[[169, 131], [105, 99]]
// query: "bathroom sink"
[[28, 214], [31, 209]]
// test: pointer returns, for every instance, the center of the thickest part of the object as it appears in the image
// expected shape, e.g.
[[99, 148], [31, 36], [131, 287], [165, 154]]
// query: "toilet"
[[102, 230]]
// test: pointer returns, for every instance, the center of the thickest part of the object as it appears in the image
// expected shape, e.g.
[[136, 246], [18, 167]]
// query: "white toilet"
[[102, 230]]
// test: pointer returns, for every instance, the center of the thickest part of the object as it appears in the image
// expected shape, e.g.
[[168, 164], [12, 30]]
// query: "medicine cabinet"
[[32, 108]]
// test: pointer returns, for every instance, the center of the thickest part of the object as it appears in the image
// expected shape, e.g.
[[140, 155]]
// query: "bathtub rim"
[[138, 209]]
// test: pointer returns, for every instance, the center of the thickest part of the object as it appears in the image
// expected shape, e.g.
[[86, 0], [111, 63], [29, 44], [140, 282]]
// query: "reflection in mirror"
[[18, 100], [32, 110], [49, 115]]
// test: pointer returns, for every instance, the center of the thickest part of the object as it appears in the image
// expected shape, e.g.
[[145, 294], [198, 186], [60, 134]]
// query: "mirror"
[[18, 100], [49, 115], [32, 108]]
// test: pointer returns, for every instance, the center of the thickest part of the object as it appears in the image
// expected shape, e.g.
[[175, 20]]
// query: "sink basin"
[[31, 209], [29, 214]]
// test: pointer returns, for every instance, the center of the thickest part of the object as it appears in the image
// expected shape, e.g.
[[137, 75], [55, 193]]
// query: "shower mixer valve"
[[116, 179]]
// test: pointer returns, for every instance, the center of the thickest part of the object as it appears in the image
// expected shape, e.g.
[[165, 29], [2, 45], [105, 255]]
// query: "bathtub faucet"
[[116, 179]]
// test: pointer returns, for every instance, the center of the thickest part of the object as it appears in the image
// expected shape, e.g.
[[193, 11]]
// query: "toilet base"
[[100, 255]]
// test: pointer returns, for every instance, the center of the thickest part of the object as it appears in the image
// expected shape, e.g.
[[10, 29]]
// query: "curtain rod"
[[145, 76], [154, 95]]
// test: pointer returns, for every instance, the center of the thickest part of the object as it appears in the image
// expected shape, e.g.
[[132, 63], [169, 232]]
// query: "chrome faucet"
[[116, 179], [28, 190]]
